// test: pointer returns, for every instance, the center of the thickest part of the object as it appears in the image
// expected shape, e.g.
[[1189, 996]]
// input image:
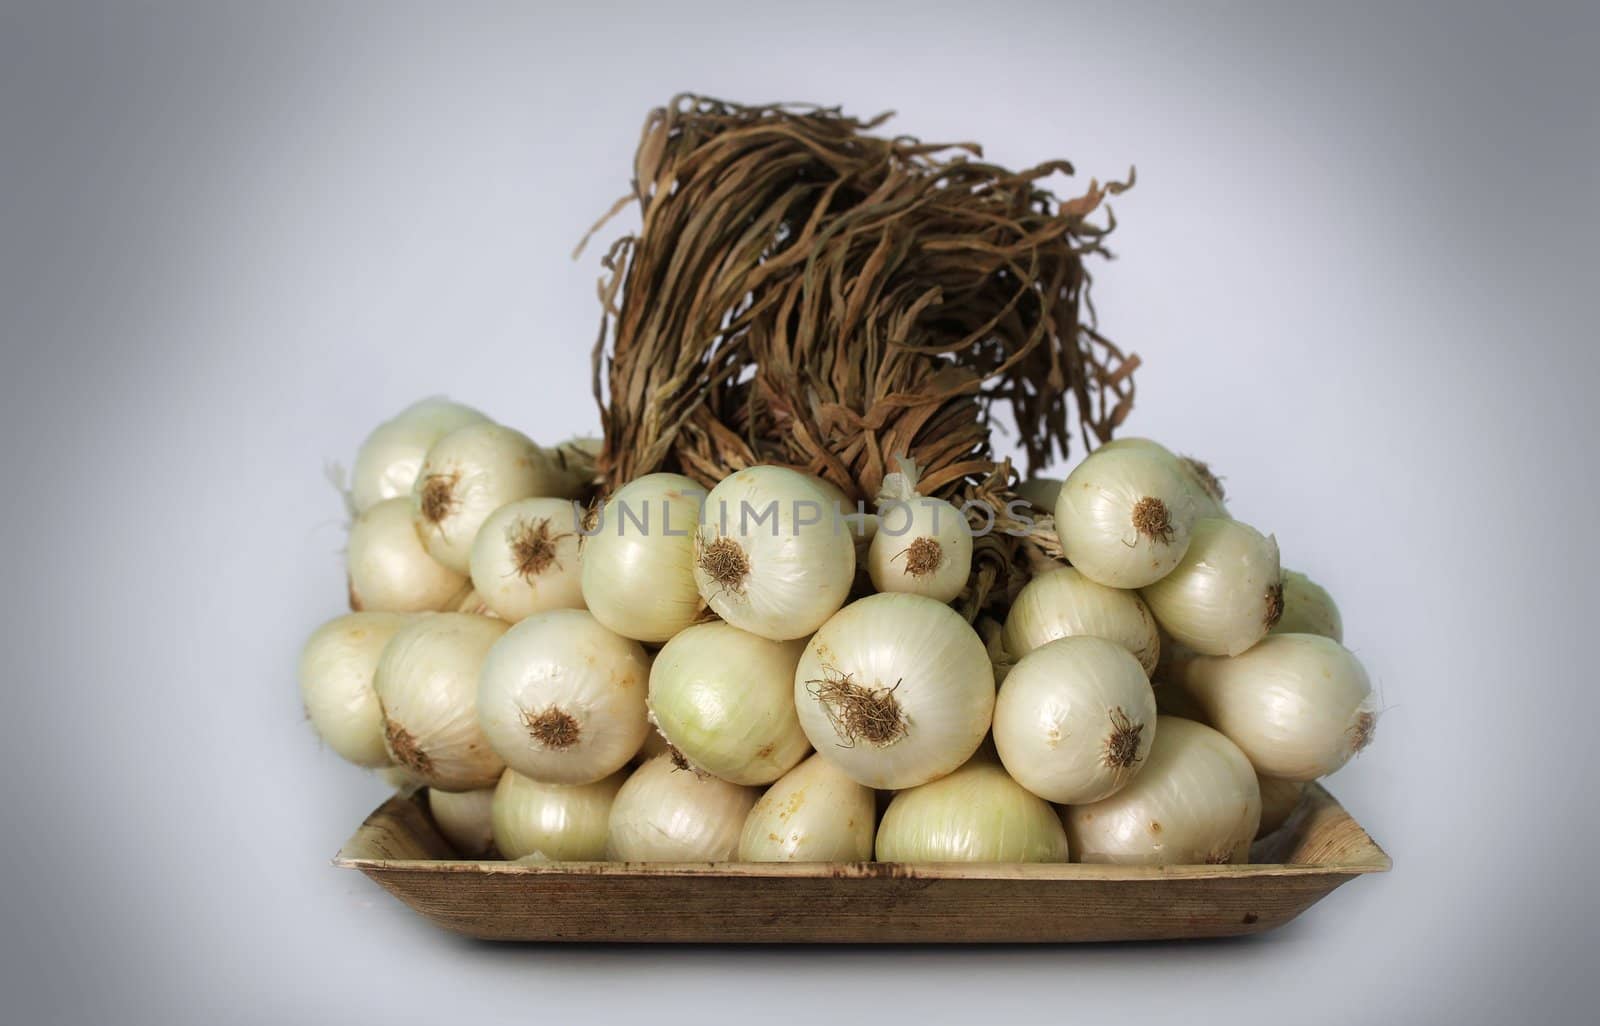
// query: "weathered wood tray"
[[1317, 850]]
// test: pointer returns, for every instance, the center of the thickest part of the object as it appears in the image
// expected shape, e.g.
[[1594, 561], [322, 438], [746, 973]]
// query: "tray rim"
[[1318, 799]]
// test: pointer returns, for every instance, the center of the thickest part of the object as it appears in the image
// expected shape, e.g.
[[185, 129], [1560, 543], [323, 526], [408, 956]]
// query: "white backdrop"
[[1357, 265]]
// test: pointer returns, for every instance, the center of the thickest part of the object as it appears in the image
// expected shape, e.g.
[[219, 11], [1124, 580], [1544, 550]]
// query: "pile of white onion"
[[750, 672]]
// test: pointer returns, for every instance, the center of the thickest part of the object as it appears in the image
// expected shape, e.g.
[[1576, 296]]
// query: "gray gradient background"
[[1360, 265]]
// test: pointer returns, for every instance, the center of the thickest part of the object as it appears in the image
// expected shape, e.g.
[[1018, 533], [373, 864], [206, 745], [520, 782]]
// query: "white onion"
[[1195, 800], [976, 814], [1204, 486], [467, 475], [638, 562], [1226, 594], [389, 567], [1279, 799], [814, 814], [336, 670], [1124, 516], [553, 822], [562, 699], [772, 556], [427, 680], [525, 559], [1040, 493], [1308, 609], [1075, 719], [1299, 705], [576, 462], [670, 813], [725, 699], [923, 546], [465, 819], [1063, 603], [896, 690], [388, 461]]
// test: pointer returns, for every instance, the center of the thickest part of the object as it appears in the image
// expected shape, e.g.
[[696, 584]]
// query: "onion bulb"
[[667, 812], [1299, 705], [389, 567], [562, 699], [465, 818], [577, 465], [724, 698], [923, 545], [813, 814], [1279, 799], [1308, 609], [976, 814], [1124, 516], [1063, 603], [427, 680], [772, 556], [525, 559], [1075, 719], [554, 822], [467, 475], [1195, 800], [896, 690], [1226, 594], [1204, 486], [388, 461], [336, 684], [638, 560]]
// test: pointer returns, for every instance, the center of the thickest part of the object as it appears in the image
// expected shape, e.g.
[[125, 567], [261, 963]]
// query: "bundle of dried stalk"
[[806, 293]]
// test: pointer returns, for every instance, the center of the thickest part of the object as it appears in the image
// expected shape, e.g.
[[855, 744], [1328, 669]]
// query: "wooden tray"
[[1317, 850]]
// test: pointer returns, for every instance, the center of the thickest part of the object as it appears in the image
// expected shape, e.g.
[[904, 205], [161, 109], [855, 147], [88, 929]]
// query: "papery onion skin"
[[427, 680], [815, 813], [725, 699], [465, 818], [921, 654], [1063, 603], [668, 813], [638, 562], [1196, 800], [388, 461], [976, 814], [525, 559], [389, 568], [1124, 516], [1225, 594], [467, 475], [1299, 705], [795, 558], [1075, 719], [1308, 609], [1279, 799], [922, 547], [336, 671], [560, 822], [1203, 485], [562, 699]]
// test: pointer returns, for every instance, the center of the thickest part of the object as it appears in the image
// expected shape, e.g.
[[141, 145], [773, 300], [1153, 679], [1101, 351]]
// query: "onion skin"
[[640, 583], [427, 680], [1063, 603], [931, 555], [1299, 705], [1196, 800], [1308, 609], [390, 569], [555, 822], [337, 667], [1226, 592], [467, 475], [976, 814], [387, 464], [814, 814], [1098, 516], [552, 578], [667, 813], [1075, 720], [465, 818]]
